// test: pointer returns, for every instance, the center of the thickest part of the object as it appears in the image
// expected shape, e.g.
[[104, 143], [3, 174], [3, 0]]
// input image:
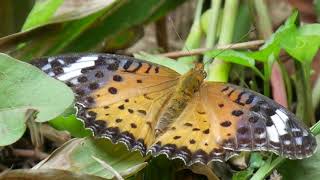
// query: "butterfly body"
[[155, 110], [187, 86]]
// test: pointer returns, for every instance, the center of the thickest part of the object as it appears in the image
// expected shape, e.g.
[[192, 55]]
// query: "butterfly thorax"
[[188, 85]]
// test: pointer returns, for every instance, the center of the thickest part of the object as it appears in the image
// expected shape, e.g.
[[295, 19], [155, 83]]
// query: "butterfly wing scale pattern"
[[191, 138], [119, 98], [255, 122]]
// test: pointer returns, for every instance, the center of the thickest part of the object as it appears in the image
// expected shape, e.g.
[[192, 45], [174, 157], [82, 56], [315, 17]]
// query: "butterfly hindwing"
[[191, 137], [255, 122]]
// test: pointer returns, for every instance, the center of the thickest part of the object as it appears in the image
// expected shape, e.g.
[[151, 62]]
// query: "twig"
[[58, 137], [245, 45], [30, 153], [162, 34]]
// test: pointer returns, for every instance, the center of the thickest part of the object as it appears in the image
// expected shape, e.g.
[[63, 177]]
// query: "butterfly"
[[153, 109]]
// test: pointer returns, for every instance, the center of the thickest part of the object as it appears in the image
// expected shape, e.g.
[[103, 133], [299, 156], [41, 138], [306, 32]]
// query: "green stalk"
[[266, 82], [212, 27], [264, 26], [288, 84], [219, 70], [194, 37], [316, 94], [267, 168], [304, 106], [263, 21]]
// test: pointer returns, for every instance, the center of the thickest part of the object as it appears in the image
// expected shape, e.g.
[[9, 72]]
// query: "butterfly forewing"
[[118, 97]]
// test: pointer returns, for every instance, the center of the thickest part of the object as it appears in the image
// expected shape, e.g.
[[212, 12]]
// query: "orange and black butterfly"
[[155, 110]]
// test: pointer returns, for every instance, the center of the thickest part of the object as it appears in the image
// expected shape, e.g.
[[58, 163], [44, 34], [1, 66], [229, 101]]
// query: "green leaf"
[[71, 124], [272, 47], [131, 12], [160, 164], [41, 13], [52, 11], [23, 87], [76, 156], [309, 30], [78, 30], [123, 39], [304, 43], [242, 175], [256, 160], [302, 169], [236, 57], [304, 48], [316, 128], [178, 66], [12, 125]]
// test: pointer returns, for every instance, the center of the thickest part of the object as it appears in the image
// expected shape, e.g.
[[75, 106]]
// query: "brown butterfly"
[[154, 109]]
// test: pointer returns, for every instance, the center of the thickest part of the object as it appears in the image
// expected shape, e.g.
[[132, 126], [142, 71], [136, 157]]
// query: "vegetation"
[[238, 42]]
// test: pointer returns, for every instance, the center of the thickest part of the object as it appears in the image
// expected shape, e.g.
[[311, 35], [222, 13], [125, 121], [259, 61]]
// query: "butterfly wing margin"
[[256, 122], [190, 138]]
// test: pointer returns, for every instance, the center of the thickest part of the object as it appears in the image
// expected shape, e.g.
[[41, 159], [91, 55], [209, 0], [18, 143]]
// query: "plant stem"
[[316, 94], [212, 28], [304, 106], [194, 37], [266, 82], [267, 168], [262, 19], [264, 26], [219, 70]]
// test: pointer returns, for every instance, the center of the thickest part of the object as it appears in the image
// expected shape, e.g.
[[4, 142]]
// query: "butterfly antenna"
[[176, 32], [229, 47]]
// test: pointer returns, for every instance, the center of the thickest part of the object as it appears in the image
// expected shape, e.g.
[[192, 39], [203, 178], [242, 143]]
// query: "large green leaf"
[[52, 11], [23, 88], [236, 57], [272, 46], [304, 43], [79, 156], [41, 13], [130, 13], [81, 30]]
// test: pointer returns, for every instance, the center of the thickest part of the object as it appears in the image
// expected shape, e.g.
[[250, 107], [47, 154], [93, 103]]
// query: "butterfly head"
[[192, 80], [199, 71]]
